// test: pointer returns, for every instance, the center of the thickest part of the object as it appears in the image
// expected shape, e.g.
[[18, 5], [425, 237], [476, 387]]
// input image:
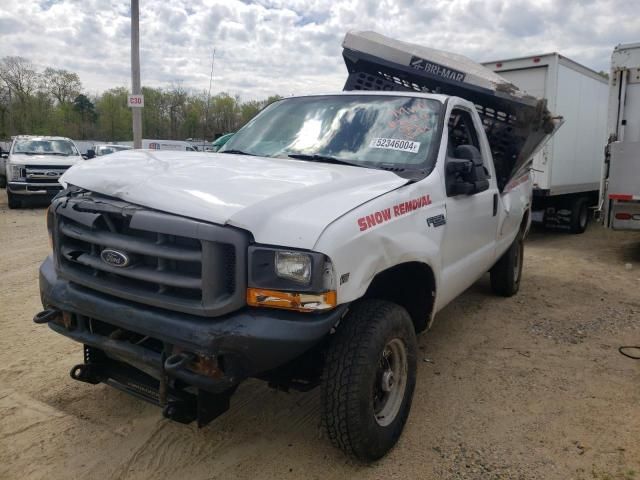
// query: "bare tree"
[[176, 96], [61, 84], [20, 76], [22, 81]]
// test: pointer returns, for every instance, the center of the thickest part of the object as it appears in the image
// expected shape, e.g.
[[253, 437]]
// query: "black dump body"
[[516, 124]]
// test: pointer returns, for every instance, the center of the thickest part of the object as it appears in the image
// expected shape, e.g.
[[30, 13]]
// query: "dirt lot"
[[527, 387]]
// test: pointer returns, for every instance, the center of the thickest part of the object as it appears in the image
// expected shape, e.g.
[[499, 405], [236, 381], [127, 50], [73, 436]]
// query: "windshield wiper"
[[323, 159], [238, 152]]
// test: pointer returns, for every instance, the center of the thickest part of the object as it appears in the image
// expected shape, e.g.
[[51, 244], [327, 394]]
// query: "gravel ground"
[[528, 387]]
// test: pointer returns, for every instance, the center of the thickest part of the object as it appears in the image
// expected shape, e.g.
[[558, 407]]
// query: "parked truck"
[[567, 170], [310, 251], [620, 186], [34, 165]]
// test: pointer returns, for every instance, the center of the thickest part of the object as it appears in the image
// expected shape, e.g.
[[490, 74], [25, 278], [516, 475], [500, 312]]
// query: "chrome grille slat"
[[44, 173], [145, 274], [130, 244]]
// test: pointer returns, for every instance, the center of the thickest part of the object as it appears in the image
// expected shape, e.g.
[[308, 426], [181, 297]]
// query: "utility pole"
[[206, 114], [135, 73]]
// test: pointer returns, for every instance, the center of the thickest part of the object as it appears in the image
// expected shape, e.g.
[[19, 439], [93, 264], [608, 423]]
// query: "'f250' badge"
[[115, 258], [436, 221]]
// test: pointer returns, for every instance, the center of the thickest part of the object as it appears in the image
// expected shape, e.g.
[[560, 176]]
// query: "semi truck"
[[567, 170], [620, 185], [309, 252]]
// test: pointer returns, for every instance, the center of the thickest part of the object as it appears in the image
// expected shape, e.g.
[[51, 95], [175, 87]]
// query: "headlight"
[[16, 172], [290, 279], [294, 266]]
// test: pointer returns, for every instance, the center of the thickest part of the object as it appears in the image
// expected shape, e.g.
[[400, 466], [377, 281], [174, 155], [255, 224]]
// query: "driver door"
[[472, 220]]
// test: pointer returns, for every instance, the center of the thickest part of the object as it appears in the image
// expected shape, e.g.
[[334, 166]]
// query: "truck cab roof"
[[39, 137]]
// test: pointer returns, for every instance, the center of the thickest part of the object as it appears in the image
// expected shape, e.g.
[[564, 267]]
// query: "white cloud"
[[293, 46]]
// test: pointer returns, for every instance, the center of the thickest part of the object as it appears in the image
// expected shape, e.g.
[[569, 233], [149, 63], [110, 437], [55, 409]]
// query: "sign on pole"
[[135, 101]]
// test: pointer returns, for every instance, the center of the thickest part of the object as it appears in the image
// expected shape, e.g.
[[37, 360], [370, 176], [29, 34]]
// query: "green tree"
[[87, 111], [114, 117]]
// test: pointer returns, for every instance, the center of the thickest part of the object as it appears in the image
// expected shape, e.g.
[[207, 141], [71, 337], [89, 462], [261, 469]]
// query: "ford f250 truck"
[[34, 165], [327, 233]]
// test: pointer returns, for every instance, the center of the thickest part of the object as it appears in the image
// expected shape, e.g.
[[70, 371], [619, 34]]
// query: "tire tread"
[[345, 364]]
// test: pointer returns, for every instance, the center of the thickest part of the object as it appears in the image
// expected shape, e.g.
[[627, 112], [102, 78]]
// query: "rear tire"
[[506, 273], [12, 201], [368, 379], [3, 182], [579, 215]]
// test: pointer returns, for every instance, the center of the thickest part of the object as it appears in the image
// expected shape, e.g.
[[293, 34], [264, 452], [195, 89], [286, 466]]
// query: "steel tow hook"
[[46, 316]]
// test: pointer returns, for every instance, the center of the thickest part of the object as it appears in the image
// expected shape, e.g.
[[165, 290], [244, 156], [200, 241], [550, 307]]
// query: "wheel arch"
[[411, 285]]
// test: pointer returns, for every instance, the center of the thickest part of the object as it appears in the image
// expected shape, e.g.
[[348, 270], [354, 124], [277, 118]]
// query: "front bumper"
[[251, 341], [25, 188]]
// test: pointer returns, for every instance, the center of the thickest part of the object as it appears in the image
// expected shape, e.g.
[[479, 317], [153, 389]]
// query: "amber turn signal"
[[302, 302]]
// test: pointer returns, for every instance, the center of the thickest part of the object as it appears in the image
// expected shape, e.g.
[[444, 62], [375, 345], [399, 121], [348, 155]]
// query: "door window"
[[461, 131], [467, 172]]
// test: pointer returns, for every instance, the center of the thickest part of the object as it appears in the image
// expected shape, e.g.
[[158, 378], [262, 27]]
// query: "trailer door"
[[631, 116]]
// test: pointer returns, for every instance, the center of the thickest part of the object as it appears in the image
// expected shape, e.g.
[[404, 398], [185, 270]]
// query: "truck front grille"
[[44, 174], [150, 257]]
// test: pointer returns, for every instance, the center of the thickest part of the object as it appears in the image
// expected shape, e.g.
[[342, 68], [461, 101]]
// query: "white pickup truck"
[[34, 164], [327, 233]]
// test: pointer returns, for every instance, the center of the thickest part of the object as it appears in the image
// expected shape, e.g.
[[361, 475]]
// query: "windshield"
[[110, 149], [373, 131], [44, 147]]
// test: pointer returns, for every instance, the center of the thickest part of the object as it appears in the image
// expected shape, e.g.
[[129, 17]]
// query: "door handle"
[[495, 204]]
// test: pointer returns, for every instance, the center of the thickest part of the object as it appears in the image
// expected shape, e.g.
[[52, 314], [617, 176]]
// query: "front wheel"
[[3, 182], [13, 201], [369, 378], [506, 273]]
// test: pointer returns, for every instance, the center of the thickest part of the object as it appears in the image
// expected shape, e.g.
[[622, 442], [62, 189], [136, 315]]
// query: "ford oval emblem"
[[115, 258]]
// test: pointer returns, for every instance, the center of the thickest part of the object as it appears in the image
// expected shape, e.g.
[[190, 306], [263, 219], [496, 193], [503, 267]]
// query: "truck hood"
[[44, 160], [280, 201]]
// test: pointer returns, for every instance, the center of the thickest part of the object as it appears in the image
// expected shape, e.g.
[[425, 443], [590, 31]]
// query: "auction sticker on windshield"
[[393, 144]]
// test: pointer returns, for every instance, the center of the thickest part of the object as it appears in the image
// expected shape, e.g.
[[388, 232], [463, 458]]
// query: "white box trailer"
[[568, 169], [620, 188]]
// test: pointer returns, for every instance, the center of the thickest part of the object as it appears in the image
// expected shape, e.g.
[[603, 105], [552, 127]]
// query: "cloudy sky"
[[294, 46]]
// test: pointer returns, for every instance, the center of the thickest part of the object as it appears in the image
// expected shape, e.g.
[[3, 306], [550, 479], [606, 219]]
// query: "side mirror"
[[465, 172], [468, 152], [459, 166], [460, 188], [4, 155], [91, 153]]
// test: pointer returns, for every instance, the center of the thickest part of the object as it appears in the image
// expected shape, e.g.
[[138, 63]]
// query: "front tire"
[[12, 201], [368, 379], [3, 181], [506, 273]]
